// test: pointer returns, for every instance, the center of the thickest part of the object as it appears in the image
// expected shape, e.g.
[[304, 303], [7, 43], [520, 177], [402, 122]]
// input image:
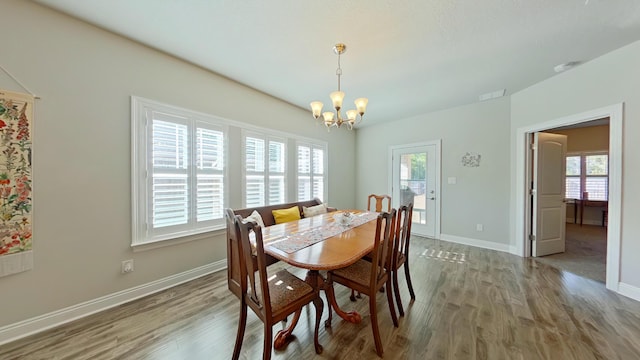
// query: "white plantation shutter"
[[318, 173], [170, 188], [311, 174], [277, 172], [265, 171], [304, 173], [254, 178], [210, 178], [178, 172]]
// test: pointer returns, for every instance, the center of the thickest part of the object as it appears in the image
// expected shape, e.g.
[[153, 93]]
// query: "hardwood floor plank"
[[471, 304]]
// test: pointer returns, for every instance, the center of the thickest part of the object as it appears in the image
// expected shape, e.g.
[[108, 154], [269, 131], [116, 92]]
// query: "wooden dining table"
[[331, 253]]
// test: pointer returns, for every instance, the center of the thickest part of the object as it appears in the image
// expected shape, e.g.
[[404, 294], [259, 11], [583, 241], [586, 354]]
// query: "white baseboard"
[[477, 243], [629, 291], [47, 321]]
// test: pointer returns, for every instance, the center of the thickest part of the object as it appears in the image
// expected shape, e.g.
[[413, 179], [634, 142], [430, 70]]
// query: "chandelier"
[[335, 119]]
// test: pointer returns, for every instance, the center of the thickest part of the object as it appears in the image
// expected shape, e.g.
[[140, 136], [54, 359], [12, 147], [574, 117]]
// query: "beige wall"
[[611, 79], [480, 195], [81, 154], [586, 139]]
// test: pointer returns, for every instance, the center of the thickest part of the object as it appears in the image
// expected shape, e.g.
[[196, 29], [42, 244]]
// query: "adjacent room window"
[[265, 170], [588, 175], [178, 172], [311, 171]]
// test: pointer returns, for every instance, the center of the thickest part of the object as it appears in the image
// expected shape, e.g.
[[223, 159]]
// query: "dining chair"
[[401, 252], [379, 200], [271, 297], [368, 277]]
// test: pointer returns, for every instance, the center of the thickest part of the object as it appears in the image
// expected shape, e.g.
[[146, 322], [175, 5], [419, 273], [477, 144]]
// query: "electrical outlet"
[[127, 266], [479, 227]]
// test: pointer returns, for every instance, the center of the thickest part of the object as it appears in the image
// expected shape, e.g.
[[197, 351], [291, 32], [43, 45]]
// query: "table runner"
[[297, 241]]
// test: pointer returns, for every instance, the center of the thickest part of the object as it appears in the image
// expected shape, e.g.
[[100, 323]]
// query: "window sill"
[[156, 244]]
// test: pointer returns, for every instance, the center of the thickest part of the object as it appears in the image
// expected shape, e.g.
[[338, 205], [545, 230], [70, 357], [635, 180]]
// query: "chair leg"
[[408, 276], [396, 290], [283, 336], [242, 323], [392, 309], [317, 302], [266, 350], [328, 290], [374, 324]]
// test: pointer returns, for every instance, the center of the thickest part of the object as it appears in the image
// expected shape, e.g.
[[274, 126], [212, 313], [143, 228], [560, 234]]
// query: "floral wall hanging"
[[471, 159], [16, 241]]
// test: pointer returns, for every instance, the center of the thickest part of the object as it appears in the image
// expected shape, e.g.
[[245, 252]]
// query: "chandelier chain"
[[339, 71]]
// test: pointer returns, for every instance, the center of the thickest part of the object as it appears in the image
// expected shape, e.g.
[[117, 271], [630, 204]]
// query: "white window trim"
[[140, 169]]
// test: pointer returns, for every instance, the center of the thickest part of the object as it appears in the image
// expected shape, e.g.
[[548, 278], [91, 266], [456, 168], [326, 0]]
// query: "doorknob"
[[432, 198]]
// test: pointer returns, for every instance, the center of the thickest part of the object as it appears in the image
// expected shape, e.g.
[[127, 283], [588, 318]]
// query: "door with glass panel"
[[415, 173]]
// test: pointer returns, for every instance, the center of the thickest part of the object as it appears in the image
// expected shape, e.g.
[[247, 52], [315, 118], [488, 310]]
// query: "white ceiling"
[[407, 56]]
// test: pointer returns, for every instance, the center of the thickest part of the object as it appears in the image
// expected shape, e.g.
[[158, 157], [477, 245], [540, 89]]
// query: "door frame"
[[522, 173], [437, 185]]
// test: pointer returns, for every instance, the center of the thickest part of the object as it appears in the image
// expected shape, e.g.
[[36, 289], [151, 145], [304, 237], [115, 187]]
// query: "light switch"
[[451, 180]]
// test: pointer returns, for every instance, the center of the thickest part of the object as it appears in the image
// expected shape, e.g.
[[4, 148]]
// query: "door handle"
[[432, 198]]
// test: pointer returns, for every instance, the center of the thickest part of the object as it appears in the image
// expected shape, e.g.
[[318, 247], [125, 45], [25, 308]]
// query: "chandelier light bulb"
[[316, 108], [336, 98], [351, 115], [361, 105]]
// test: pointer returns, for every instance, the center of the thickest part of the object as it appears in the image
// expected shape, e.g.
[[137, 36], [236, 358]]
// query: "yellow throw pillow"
[[286, 215]]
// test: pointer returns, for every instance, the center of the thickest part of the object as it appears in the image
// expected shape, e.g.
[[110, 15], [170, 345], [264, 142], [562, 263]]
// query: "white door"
[[415, 178], [548, 195]]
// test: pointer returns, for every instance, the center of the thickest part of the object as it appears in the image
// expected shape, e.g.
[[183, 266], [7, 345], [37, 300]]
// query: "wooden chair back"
[[234, 278], [403, 234], [379, 200], [254, 268], [381, 255]]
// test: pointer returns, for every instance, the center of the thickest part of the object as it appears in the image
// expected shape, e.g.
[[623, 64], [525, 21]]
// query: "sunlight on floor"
[[444, 255]]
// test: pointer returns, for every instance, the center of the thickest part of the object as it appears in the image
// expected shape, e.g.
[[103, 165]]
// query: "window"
[[311, 171], [588, 176], [265, 170], [178, 172], [181, 180]]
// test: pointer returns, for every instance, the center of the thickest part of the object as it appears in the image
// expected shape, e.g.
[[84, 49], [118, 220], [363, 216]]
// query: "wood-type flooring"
[[471, 303]]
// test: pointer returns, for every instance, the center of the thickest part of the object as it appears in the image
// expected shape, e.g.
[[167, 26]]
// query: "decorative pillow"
[[286, 215], [314, 210], [255, 216]]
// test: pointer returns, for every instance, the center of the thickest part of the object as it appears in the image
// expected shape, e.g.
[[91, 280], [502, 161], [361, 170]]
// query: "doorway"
[[415, 174], [583, 200], [523, 203]]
